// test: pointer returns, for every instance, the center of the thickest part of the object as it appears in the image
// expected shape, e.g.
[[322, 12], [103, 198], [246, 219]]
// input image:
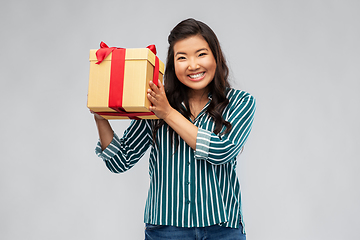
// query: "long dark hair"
[[176, 92]]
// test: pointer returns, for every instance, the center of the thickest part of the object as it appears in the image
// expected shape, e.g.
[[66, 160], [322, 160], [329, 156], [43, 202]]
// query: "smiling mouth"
[[196, 76]]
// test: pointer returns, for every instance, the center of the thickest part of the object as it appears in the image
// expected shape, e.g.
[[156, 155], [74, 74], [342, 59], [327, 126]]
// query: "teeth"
[[196, 75]]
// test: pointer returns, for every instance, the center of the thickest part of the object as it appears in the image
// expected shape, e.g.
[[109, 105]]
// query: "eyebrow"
[[201, 49]]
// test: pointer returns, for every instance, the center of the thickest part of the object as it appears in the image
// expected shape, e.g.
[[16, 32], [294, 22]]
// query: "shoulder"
[[236, 96], [241, 103]]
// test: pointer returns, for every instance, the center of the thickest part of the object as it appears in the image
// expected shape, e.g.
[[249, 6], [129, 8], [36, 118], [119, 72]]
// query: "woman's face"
[[194, 63]]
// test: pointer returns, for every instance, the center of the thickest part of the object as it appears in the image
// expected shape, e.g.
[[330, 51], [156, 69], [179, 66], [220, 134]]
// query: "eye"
[[181, 58], [202, 54]]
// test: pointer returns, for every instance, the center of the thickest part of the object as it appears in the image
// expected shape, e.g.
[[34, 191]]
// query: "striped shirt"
[[189, 188]]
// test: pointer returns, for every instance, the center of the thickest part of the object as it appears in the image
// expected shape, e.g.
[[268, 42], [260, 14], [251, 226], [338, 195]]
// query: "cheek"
[[176, 71], [213, 65], [179, 71], [209, 63]]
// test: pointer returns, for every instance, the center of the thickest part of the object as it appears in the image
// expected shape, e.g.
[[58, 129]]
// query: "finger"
[[154, 87], [152, 93], [151, 98], [161, 87]]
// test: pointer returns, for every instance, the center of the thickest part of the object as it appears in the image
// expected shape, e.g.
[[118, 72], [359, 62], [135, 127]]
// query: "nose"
[[193, 64]]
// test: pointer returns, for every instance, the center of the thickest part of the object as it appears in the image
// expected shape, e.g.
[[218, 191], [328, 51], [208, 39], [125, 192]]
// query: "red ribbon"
[[117, 79]]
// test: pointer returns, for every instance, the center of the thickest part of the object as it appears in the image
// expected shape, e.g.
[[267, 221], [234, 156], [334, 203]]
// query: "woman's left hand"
[[163, 110], [160, 104]]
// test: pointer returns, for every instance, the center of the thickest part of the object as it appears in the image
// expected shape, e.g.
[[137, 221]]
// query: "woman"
[[194, 191]]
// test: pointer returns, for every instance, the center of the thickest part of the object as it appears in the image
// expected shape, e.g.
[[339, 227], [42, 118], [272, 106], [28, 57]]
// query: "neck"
[[198, 95]]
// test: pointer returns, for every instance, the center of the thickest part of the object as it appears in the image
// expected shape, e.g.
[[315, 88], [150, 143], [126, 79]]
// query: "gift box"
[[119, 79]]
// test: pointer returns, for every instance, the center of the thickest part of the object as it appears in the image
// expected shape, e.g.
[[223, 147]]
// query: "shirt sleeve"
[[123, 153], [218, 149]]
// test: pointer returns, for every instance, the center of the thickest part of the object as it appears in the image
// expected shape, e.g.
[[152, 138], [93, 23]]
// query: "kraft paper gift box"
[[119, 79]]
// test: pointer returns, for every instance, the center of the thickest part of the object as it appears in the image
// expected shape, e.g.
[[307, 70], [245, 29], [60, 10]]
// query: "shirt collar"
[[202, 112]]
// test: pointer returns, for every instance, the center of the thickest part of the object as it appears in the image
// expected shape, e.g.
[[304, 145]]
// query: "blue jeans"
[[216, 232]]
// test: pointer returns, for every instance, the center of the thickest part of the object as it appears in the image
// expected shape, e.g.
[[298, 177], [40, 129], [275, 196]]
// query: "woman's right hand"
[[97, 116]]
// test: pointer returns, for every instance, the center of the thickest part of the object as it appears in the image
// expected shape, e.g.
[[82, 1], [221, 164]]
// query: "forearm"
[[183, 127], [105, 131], [123, 153]]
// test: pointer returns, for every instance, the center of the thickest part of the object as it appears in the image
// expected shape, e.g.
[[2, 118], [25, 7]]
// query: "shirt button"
[[188, 163], [188, 201], [188, 183]]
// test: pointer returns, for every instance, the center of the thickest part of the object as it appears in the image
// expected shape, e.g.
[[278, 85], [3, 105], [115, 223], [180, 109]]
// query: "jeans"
[[216, 232]]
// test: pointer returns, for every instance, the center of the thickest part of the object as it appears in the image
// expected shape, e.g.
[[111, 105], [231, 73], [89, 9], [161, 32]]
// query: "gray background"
[[299, 170]]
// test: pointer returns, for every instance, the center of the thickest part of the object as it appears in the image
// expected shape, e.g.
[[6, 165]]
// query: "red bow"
[[104, 51]]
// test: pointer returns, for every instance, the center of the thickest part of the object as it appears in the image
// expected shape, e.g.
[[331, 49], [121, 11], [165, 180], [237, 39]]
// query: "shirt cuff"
[[110, 150], [202, 144]]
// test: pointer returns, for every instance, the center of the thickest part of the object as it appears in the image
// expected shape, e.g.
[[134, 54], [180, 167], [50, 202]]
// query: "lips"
[[196, 76]]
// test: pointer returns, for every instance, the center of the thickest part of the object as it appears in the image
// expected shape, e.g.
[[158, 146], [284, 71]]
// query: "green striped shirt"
[[189, 188]]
